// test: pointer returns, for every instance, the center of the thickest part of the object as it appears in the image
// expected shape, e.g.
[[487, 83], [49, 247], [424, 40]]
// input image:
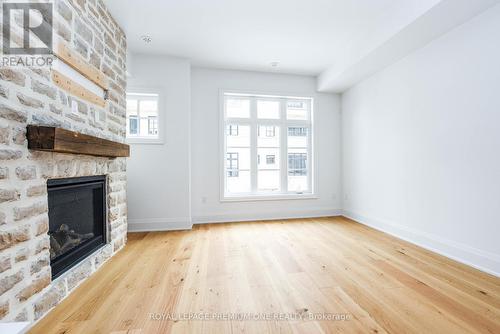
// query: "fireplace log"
[[65, 239]]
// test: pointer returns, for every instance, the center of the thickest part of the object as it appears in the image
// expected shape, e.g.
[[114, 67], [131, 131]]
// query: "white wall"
[[158, 185], [206, 206], [421, 145]]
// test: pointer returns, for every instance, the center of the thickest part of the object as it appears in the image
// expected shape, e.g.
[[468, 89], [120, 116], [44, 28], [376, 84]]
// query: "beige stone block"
[[4, 309], [37, 190], [30, 211], [41, 88], [29, 101], [78, 274], [42, 226], [9, 195], [4, 135], [65, 168], [103, 255], [10, 154], [13, 237], [14, 76], [42, 245], [42, 72], [9, 281], [26, 172], [49, 299], [19, 135], [4, 173], [55, 109], [47, 169], [5, 264], [21, 315], [12, 114], [4, 92], [64, 11], [63, 31], [41, 263], [21, 255], [34, 287]]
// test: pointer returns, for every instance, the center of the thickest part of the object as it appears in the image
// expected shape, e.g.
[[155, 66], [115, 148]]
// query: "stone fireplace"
[[31, 182]]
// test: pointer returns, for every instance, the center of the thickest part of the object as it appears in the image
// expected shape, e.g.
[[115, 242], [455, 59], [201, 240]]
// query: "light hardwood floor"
[[306, 266]]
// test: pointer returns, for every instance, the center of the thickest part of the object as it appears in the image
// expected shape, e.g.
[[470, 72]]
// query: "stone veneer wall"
[[28, 96]]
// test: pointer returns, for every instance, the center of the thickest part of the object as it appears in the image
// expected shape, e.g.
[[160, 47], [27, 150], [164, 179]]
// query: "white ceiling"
[[305, 36]]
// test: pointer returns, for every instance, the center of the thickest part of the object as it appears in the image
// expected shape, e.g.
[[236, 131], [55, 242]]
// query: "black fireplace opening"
[[77, 219]]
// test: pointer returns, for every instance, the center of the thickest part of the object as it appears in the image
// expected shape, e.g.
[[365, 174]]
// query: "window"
[[297, 164], [297, 132], [152, 125], [297, 110], [276, 128], [268, 131], [142, 116], [232, 130], [232, 164], [133, 124]]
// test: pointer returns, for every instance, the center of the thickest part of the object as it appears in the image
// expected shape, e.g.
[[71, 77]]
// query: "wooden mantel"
[[52, 139]]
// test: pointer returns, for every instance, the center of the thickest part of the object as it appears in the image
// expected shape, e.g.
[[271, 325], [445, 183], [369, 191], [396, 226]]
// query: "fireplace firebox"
[[77, 219]]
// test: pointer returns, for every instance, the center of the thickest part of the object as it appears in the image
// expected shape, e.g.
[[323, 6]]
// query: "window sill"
[[146, 141], [277, 197]]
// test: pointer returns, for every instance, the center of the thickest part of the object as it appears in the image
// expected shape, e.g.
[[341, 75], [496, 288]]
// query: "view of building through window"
[[254, 145], [142, 115]]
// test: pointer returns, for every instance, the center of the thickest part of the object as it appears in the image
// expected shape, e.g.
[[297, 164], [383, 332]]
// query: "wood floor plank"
[[278, 268]]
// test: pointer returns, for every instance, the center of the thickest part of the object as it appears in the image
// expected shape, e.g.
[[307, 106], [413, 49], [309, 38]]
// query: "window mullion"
[[253, 144], [283, 148], [310, 160]]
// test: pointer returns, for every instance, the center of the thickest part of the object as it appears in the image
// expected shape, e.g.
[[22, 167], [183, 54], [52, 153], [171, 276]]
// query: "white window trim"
[[313, 171], [161, 119]]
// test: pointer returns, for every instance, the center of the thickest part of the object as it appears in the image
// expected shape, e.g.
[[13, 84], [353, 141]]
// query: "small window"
[[297, 110], [297, 164], [270, 131], [142, 116], [270, 159], [232, 164], [297, 132], [232, 130], [267, 131], [133, 124], [152, 125]]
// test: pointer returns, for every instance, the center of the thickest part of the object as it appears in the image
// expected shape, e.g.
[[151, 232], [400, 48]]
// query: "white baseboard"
[[250, 216], [175, 224], [479, 259], [159, 224]]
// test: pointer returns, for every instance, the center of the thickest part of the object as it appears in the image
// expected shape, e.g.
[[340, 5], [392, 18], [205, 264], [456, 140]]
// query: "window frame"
[[283, 125], [160, 119]]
